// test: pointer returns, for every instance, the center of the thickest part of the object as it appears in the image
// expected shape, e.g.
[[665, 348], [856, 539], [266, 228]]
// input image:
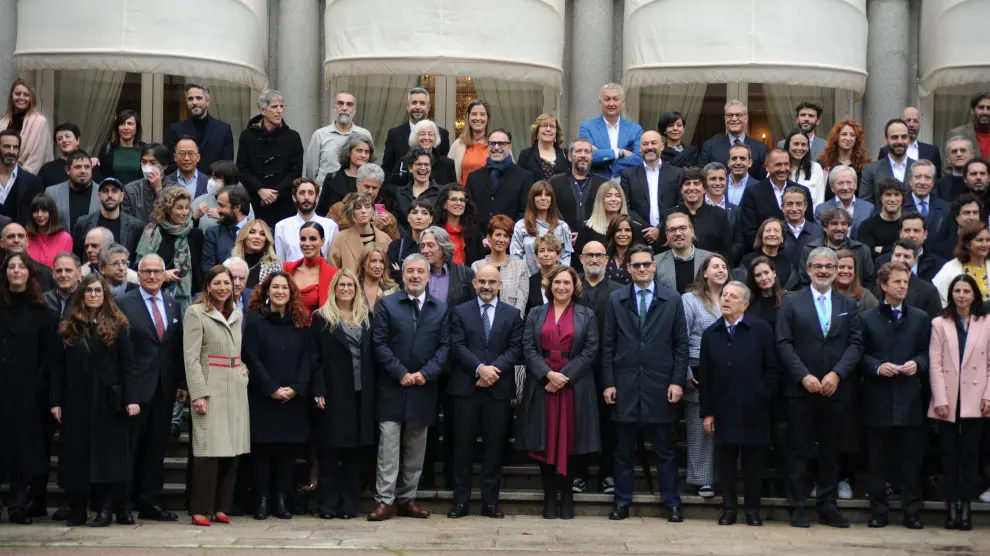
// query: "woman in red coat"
[[311, 274]]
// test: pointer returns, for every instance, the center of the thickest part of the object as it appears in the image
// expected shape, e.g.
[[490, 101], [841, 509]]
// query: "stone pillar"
[[299, 64], [592, 49], [887, 62], [8, 40]]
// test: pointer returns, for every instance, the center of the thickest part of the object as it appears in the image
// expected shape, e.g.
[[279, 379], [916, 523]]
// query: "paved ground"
[[476, 535]]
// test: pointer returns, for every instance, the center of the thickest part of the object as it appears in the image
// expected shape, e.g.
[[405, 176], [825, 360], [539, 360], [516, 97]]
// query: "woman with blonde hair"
[[172, 236], [254, 244], [610, 201], [545, 158], [24, 117], [373, 275], [470, 151], [542, 217], [344, 388], [349, 244]]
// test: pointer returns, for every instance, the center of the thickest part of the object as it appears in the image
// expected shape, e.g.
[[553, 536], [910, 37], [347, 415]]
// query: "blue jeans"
[[626, 435], [177, 413]]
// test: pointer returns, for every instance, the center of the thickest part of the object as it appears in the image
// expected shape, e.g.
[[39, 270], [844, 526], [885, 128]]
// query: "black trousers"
[[339, 487], [100, 495], [960, 456], [39, 482], [479, 411], [212, 485], [753, 457], [16, 498], [438, 448], [272, 466], [809, 419], [149, 436], [895, 455]]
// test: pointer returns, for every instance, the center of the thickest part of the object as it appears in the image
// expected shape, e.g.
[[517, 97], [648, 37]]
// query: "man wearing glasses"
[[113, 268], [188, 175], [819, 344], [717, 148], [125, 228], [501, 187], [678, 266]]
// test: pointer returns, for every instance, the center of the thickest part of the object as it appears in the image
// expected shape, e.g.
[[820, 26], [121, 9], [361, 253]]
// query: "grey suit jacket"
[[60, 193], [666, 275], [862, 211], [817, 147], [873, 174]]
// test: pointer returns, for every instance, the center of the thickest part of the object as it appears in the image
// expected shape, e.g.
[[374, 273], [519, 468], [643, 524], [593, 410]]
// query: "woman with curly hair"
[[93, 393], [358, 149], [845, 145], [276, 352], [255, 245], [172, 236], [373, 275], [545, 158], [454, 212], [349, 244]]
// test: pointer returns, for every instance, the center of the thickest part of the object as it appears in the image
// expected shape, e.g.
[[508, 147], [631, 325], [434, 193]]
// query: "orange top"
[[475, 156]]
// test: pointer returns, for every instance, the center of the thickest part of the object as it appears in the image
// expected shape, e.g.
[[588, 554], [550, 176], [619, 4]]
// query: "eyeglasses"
[[498, 144], [457, 200], [421, 164], [93, 291], [640, 266], [822, 266], [186, 154], [594, 256], [548, 126], [151, 272], [679, 229], [346, 286], [735, 116]]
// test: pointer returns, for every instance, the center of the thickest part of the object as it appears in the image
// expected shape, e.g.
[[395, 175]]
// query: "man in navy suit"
[[819, 344], [916, 150], [486, 343], [765, 199], [234, 204], [736, 122], [615, 138], [187, 175], [935, 210], [214, 137]]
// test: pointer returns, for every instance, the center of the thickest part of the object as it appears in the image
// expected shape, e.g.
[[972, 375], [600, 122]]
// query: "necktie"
[[485, 322], [924, 208], [736, 143], [732, 332], [416, 309], [897, 314], [642, 307], [159, 321], [823, 315]]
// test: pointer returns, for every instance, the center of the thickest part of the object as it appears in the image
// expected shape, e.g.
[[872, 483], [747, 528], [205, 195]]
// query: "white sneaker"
[[845, 491], [814, 492], [706, 491], [985, 497]]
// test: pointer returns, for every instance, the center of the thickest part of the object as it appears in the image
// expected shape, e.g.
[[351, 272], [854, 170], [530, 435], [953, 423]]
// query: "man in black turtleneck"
[[214, 137]]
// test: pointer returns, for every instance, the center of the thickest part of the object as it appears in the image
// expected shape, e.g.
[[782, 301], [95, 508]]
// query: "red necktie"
[[159, 322]]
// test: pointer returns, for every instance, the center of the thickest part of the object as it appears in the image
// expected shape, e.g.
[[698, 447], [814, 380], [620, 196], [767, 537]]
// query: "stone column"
[[592, 49], [8, 40], [887, 62], [299, 64]]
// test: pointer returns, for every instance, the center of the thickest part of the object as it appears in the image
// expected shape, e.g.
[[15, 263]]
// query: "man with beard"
[[397, 142], [916, 150], [835, 236], [951, 185], [765, 199], [233, 205], [809, 115], [678, 266], [113, 268], [78, 196], [18, 187], [124, 227], [304, 195], [575, 193], [650, 188], [67, 140], [711, 224], [978, 132], [819, 344], [501, 186], [215, 138], [322, 154], [976, 177], [897, 164]]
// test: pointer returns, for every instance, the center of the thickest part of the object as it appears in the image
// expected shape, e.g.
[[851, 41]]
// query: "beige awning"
[[955, 45]]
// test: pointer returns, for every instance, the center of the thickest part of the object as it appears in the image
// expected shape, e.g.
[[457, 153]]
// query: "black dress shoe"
[[799, 518], [618, 512], [157, 513], [833, 518], [458, 511], [62, 514], [21, 518], [951, 515], [327, 515], [262, 512], [103, 518], [728, 518], [676, 515], [492, 511], [282, 508], [965, 517], [124, 517], [174, 431], [76, 519], [878, 521], [753, 518], [36, 509], [346, 515], [913, 521]]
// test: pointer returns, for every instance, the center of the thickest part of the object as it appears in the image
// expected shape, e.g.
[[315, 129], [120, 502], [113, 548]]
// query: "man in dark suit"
[[214, 137], [486, 344], [925, 263], [501, 187], [819, 343], [950, 185], [736, 123], [21, 185], [187, 155], [935, 210], [894, 366], [921, 293], [125, 228], [716, 177], [397, 141], [233, 204], [764, 199], [897, 163], [711, 223], [976, 177], [575, 192], [156, 332], [798, 230], [644, 366], [916, 150], [67, 274], [411, 336], [651, 188]]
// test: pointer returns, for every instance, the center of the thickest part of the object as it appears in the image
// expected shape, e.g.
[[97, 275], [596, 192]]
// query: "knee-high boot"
[[566, 497], [548, 476]]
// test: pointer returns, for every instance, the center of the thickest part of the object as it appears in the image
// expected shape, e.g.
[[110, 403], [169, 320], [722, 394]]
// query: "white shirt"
[[850, 209], [321, 155], [287, 236], [159, 301], [912, 150], [720, 204], [613, 135], [778, 193], [6, 187], [796, 230], [899, 169], [420, 300], [653, 186]]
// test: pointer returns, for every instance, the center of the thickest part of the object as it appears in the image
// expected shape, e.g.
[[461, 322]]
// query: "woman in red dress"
[[312, 273], [559, 412]]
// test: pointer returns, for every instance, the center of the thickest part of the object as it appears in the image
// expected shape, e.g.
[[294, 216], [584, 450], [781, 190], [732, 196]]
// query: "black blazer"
[[926, 151], [441, 172], [22, 192], [712, 231], [469, 350], [342, 424], [717, 148], [459, 287], [535, 298], [938, 222], [397, 145], [529, 159], [157, 363], [508, 198], [216, 144], [575, 212], [759, 203], [921, 294], [218, 241], [895, 401], [637, 193], [929, 263], [803, 350]]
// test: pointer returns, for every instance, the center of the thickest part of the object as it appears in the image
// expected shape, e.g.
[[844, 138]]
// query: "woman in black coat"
[[682, 155], [92, 397], [27, 339], [344, 388], [276, 351], [426, 135], [545, 136]]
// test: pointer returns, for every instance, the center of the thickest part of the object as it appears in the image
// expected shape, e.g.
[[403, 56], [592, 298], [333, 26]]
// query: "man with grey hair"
[[113, 267], [575, 192], [819, 345], [94, 242], [239, 270], [321, 155], [736, 125], [922, 199], [959, 149], [615, 139], [214, 137], [916, 150], [843, 182], [269, 159], [369, 180], [397, 141]]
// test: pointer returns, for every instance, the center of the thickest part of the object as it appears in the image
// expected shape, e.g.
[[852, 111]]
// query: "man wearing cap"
[[125, 228]]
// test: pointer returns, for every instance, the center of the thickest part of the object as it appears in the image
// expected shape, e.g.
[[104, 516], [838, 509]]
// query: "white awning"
[[514, 40], [819, 43], [216, 39], [955, 46]]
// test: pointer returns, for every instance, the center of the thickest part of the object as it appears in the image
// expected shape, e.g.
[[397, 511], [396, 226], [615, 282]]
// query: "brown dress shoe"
[[412, 509], [382, 513]]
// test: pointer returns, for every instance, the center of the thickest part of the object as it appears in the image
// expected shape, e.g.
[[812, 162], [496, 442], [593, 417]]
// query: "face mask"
[[212, 186], [148, 169]]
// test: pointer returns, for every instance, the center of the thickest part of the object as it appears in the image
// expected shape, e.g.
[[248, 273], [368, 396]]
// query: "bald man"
[[650, 188], [486, 344], [14, 239]]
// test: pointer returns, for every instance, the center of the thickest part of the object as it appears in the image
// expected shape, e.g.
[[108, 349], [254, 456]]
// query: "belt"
[[223, 361]]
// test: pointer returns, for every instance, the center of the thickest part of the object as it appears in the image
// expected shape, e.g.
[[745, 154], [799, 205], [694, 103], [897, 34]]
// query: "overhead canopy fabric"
[[515, 40], [819, 43], [223, 40], [956, 44]]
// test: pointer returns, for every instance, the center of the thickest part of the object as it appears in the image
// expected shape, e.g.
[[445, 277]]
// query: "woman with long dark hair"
[[46, 238], [312, 273], [618, 240], [542, 217], [971, 257], [762, 281], [675, 152], [804, 170], [24, 117], [454, 213], [120, 157]]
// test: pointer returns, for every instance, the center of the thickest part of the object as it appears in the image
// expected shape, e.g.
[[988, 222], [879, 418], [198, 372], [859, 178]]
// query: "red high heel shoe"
[[201, 520], [221, 517]]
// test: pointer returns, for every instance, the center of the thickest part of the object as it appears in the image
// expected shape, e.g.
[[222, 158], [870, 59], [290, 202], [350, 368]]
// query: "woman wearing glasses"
[[470, 151], [545, 159], [422, 187], [426, 135], [455, 214]]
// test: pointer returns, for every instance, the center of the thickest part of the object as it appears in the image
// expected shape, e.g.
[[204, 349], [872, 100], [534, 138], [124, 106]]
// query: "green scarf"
[[151, 240]]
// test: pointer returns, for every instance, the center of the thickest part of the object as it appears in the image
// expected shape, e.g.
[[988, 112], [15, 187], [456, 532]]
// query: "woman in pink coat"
[[23, 116], [960, 379]]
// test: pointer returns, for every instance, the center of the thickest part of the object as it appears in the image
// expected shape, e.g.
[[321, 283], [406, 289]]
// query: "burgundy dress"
[[557, 339]]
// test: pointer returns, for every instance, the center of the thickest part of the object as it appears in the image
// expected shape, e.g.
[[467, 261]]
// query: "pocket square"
[[843, 314], [175, 321]]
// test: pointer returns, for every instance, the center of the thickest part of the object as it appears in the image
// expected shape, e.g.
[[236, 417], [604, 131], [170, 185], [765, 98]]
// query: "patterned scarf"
[[151, 240]]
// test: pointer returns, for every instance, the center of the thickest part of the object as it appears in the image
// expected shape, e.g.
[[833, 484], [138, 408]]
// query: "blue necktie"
[[732, 332], [897, 314], [486, 324], [924, 208], [823, 314]]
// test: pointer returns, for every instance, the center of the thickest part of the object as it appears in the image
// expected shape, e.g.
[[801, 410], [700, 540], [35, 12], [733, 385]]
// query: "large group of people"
[[799, 307]]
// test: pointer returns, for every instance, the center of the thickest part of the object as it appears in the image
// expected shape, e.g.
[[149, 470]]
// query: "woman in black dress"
[[770, 243], [761, 279]]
